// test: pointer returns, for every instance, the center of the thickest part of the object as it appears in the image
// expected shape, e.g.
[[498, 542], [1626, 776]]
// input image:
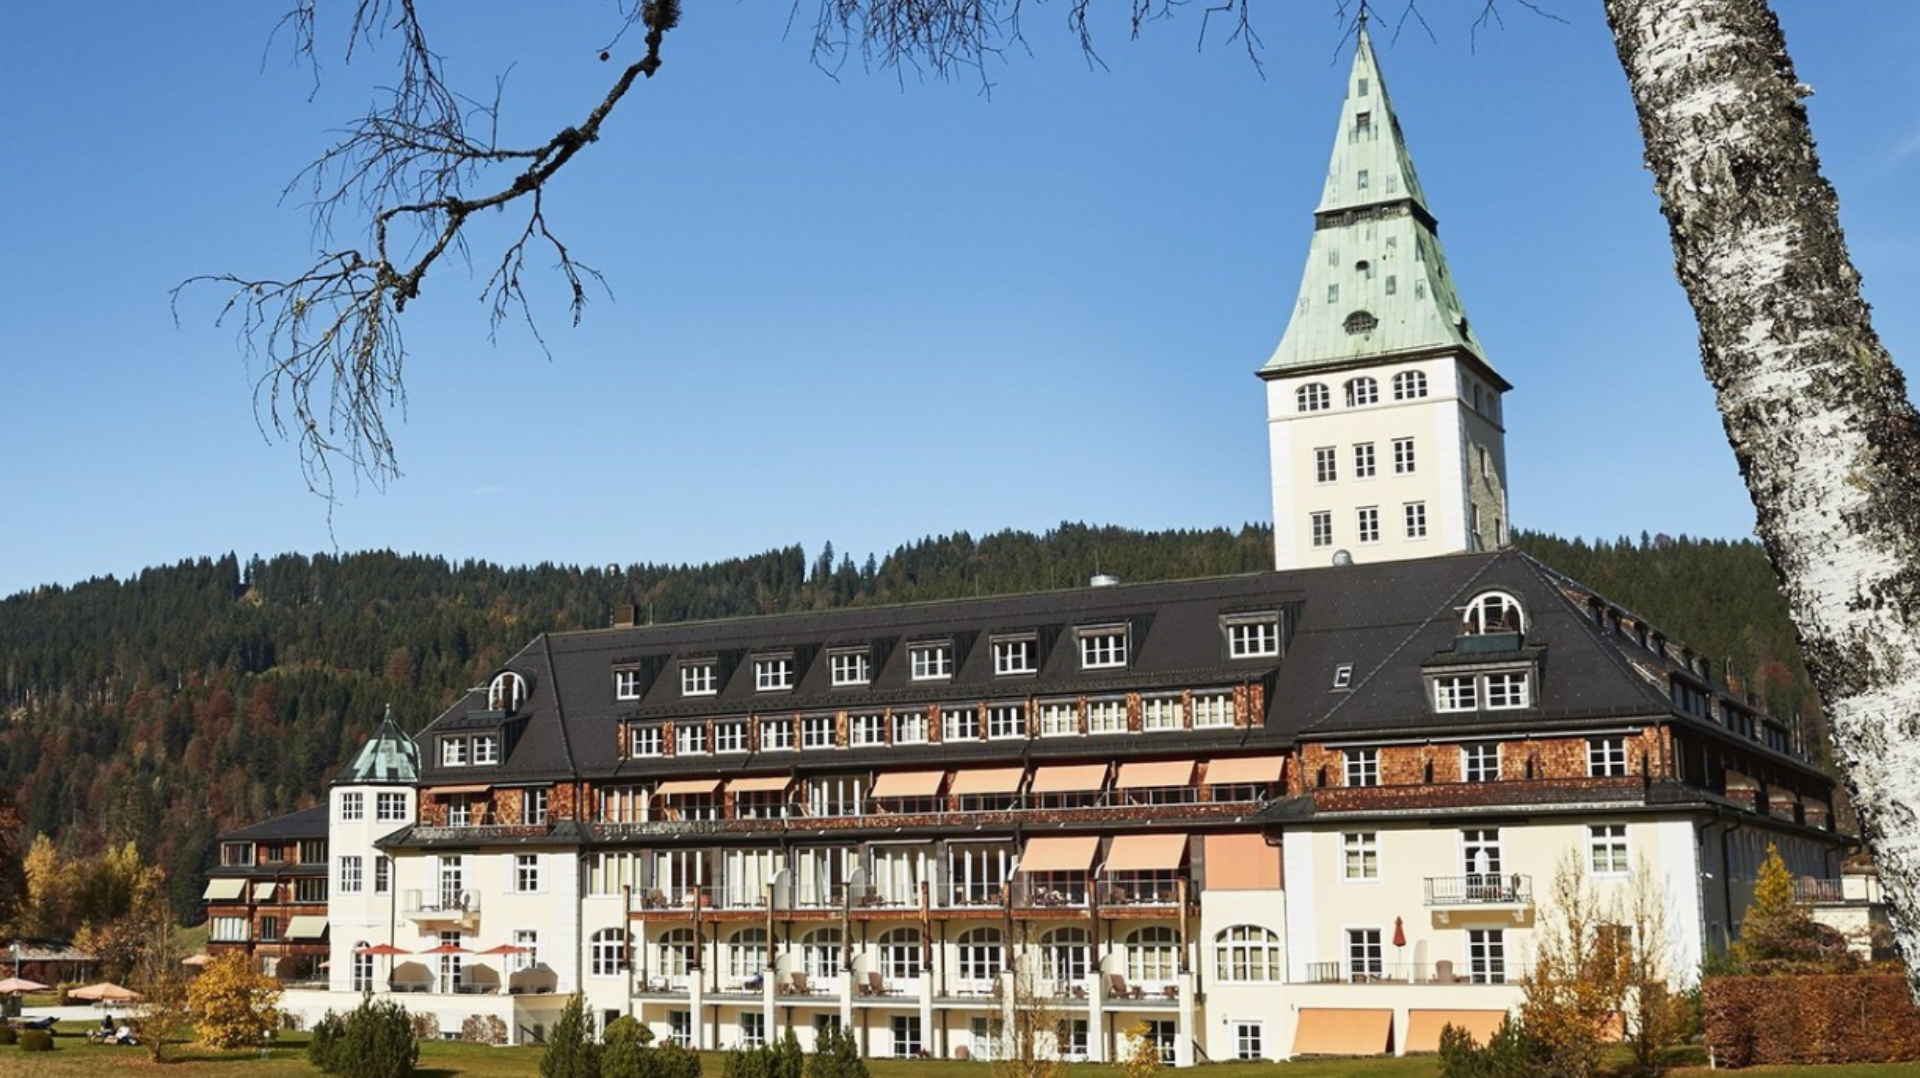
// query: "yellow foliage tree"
[[1142, 1059], [233, 1003]]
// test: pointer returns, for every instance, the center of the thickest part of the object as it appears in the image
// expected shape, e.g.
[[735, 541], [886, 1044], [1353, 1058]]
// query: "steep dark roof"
[[306, 823]]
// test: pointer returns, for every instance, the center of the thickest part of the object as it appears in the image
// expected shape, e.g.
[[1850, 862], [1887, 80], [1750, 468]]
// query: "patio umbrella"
[[445, 948], [197, 960], [381, 948], [104, 992], [13, 986], [507, 948]]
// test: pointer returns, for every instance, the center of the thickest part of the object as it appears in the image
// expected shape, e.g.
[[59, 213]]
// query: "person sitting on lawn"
[[123, 1035]]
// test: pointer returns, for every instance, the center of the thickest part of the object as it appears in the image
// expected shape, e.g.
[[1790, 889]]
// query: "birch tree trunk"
[[1817, 414]]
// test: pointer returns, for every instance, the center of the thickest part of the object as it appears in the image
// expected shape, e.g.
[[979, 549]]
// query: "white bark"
[[1817, 414]]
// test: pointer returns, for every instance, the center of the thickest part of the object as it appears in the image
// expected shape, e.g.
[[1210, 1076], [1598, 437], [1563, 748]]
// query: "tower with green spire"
[[1383, 413], [372, 797]]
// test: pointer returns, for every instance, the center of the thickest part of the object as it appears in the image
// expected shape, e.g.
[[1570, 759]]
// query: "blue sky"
[[866, 308]]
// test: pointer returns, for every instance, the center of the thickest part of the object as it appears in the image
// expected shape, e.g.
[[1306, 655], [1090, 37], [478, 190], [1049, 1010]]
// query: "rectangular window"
[[236, 853], [228, 929], [388, 807], [1212, 710], [1360, 855], [930, 661], [776, 735], [816, 732], [1416, 518], [626, 684], [382, 875], [1363, 465], [353, 806], [699, 678], [960, 724], [453, 752], [1006, 721], [1325, 470], [1365, 956], [906, 1036], [1320, 527], [533, 806], [753, 1029], [1480, 762], [1487, 955], [1106, 716], [1606, 757], [350, 878], [1363, 767], [313, 851], [730, 736], [1507, 691], [1016, 655], [773, 674], [1249, 1041], [869, 729], [849, 668], [909, 727], [1458, 693], [1162, 713], [1253, 637], [1607, 849], [1360, 180], [1059, 718], [1480, 857], [269, 928], [1367, 523], [1403, 463], [310, 889], [644, 740], [690, 739], [486, 748], [530, 940], [526, 873], [1104, 648]]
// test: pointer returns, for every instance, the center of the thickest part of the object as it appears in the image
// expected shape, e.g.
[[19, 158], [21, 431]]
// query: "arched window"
[[506, 692], [900, 954], [1312, 397], [1409, 385], [1247, 953], [820, 952], [1493, 612], [747, 953], [673, 952], [979, 954], [1362, 391], [607, 952], [1360, 322], [1063, 956], [1153, 954]]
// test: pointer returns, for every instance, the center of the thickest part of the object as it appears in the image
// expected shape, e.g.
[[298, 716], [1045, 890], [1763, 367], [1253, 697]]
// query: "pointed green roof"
[[1376, 281], [388, 758]]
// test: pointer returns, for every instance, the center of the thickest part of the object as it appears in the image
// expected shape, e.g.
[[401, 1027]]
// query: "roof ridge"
[[559, 706]]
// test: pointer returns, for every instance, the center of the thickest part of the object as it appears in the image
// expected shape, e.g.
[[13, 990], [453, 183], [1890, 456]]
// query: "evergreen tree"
[[571, 1051]]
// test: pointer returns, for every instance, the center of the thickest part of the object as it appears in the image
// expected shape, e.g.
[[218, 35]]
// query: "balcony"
[[458, 906], [1130, 895], [1480, 891], [1405, 973], [1051, 891], [478, 832]]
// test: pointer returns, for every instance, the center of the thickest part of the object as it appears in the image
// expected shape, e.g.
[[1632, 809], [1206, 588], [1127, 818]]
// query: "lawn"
[[75, 1058]]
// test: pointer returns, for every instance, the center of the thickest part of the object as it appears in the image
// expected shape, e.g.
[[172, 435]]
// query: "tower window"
[[1393, 285], [1360, 180], [1363, 122], [1409, 385], [1312, 397], [1416, 514], [506, 692], [1492, 612], [1320, 525], [1363, 462], [1403, 456], [1325, 469], [1367, 523], [1362, 391], [1361, 87], [1364, 268], [1360, 322], [1333, 293]]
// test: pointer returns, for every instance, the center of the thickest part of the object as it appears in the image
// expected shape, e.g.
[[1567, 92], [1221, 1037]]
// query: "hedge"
[[1810, 1019]]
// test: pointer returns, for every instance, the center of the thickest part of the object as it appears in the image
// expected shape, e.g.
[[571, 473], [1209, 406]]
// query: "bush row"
[[1810, 1019]]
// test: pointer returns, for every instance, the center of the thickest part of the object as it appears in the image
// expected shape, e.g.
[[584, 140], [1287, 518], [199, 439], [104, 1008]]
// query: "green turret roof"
[[389, 758], [1376, 282]]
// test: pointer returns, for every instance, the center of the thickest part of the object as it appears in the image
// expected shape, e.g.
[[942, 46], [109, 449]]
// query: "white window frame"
[[1360, 856], [1607, 756], [867, 728], [1507, 690], [773, 673], [1326, 465], [1405, 459], [506, 692], [1607, 849], [1487, 955], [607, 953], [852, 667], [389, 806], [1365, 461], [1107, 716], [1456, 692], [1362, 391], [1366, 954], [1492, 612], [626, 683], [1159, 714], [930, 660], [1246, 953], [526, 873], [353, 806], [1414, 515], [730, 735], [1320, 528], [1059, 718], [1153, 954], [1480, 761], [1409, 385], [816, 732], [699, 677], [1312, 397], [960, 723], [646, 741], [351, 874], [690, 738], [486, 750], [1006, 721], [453, 752], [1361, 766], [776, 735], [1212, 709], [1253, 636], [1104, 647], [1366, 524], [910, 727], [1016, 655]]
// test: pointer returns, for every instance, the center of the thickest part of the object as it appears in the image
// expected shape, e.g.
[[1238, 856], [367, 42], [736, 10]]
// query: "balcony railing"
[[1480, 889], [451, 905], [480, 832], [929, 812], [1152, 891], [1388, 973], [1055, 891]]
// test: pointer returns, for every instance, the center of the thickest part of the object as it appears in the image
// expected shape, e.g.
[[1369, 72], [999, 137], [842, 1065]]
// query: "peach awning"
[[760, 784], [1328, 1031], [681, 787], [1242, 862], [307, 928], [1146, 853], [907, 784], [1239, 769], [1059, 853], [1158, 773], [1423, 1027], [1069, 779], [987, 780]]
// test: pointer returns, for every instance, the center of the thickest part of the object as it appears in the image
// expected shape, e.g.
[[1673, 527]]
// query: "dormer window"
[[1017, 654], [1502, 690], [506, 692], [699, 677], [851, 667], [1103, 647], [1492, 612], [931, 660], [772, 673], [1343, 676], [626, 684], [1252, 636]]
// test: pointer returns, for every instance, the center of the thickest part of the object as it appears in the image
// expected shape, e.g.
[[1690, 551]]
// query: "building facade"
[[1309, 811]]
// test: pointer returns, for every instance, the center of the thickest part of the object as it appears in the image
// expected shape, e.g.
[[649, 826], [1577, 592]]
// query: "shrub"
[[836, 1055], [36, 1040], [1510, 1053], [425, 1026], [571, 1052], [326, 1037], [233, 1004], [483, 1029], [8, 1034], [674, 1060], [1828, 1018], [626, 1055], [377, 1042]]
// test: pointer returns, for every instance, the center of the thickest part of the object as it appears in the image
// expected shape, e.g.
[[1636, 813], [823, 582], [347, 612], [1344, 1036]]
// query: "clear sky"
[[866, 308]]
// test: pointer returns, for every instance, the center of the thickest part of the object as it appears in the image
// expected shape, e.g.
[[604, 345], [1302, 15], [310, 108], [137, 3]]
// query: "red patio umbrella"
[[507, 948], [1399, 933], [381, 948], [446, 948]]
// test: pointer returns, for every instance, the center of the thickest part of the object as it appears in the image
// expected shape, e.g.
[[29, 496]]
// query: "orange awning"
[[1241, 769], [1059, 853], [1423, 1027], [459, 789], [678, 787], [907, 784], [760, 784], [1158, 773], [1242, 862], [1146, 853], [987, 780], [1325, 1031], [1070, 779]]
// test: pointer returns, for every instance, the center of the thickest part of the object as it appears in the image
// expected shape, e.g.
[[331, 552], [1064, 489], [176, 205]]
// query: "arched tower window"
[[506, 692], [1360, 322], [1409, 385], [1362, 391], [1493, 612], [1312, 397]]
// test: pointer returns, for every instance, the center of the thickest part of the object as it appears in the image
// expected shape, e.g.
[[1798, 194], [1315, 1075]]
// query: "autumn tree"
[[1778, 935], [234, 1004], [1579, 976]]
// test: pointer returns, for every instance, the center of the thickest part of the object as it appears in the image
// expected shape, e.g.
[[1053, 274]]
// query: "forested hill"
[[194, 697]]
